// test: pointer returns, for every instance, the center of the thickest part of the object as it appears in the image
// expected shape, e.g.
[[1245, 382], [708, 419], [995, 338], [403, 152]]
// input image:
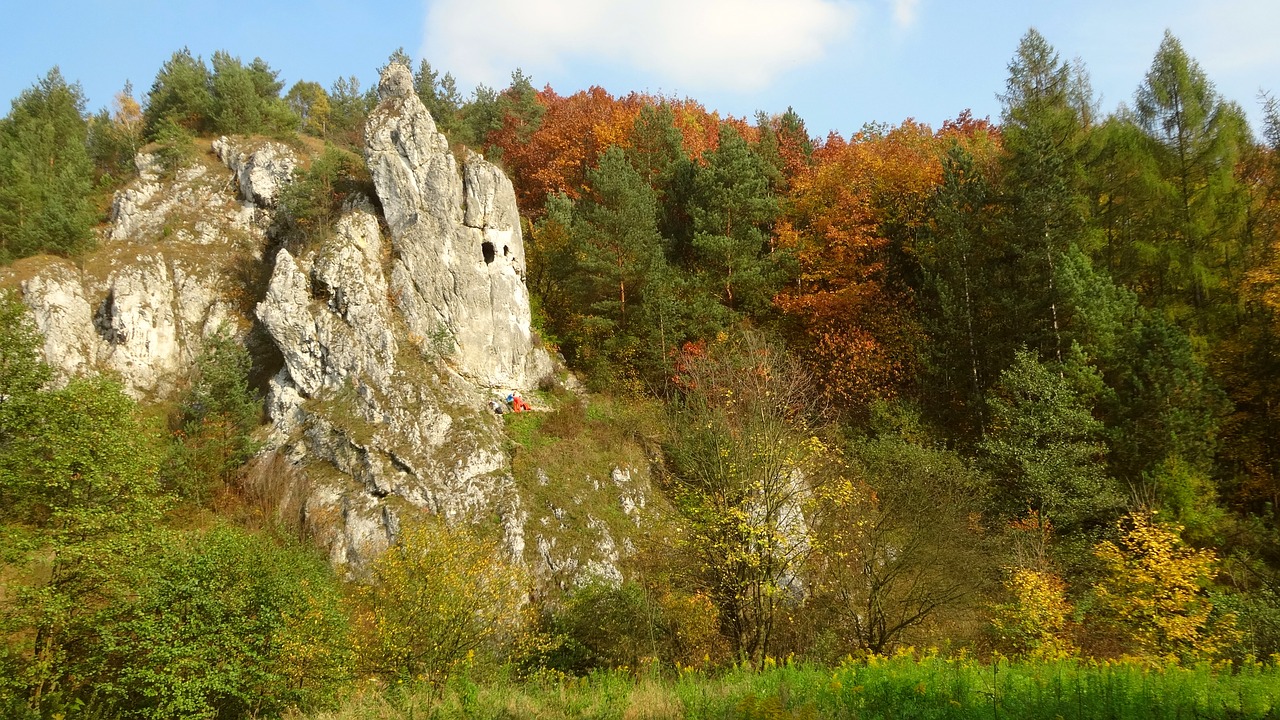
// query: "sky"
[[838, 63]]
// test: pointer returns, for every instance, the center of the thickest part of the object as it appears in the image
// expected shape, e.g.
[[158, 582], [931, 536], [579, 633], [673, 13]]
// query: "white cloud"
[[692, 45], [905, 12]]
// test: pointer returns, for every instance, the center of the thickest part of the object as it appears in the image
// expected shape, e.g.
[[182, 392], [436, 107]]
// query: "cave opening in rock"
[[487, 248], [505, 251]]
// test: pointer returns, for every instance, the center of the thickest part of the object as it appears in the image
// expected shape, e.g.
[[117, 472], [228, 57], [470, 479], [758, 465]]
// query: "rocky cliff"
[[458, 268], [389, 346], [165, 277]]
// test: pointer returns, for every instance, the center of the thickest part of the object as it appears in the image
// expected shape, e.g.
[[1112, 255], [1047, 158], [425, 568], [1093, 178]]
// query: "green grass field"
[[897, 688]]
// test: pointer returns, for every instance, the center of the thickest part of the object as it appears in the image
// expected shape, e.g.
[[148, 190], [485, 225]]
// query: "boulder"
[[260, 173]]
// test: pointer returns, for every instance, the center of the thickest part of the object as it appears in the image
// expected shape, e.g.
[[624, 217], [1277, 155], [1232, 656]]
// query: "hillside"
[[1003, 388]]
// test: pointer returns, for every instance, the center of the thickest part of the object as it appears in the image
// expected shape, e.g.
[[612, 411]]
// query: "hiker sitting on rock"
[[517, 403]]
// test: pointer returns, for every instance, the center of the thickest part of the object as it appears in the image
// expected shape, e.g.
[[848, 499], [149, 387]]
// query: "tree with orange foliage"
[[851, 322], [572, 134]]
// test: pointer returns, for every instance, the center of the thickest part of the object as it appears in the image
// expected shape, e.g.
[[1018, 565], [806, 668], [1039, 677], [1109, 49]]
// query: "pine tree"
[[959, 256], [617, 257], [1045, 449], [731, 210], [439, 95], [1044, 121], [1199, 206], [180, 93], [46, 176]]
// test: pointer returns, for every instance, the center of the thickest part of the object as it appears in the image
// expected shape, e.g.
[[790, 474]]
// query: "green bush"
[[226, 624], [219, 413], [313, 201], [632, 627]]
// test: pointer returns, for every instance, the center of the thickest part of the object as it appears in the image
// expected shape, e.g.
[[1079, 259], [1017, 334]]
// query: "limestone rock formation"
[[163, 280], [262, 173], [393, 333], [393, 395], [401, 429], [458, 255]]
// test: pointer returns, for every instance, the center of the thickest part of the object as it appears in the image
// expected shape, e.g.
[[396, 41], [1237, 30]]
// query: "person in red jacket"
[[518, 404]]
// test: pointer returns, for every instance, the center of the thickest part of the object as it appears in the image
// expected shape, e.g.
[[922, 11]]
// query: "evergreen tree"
[[1161, 408], [349, 107], [479, 117], [785, 145], [732, 210], [655, 147], [235, 107], [397, 57], [1043, 131], [46, 176], [1199, 206], [656, 150], [959, 256], [246, 99], [180, 93], [617, 236], [1044, 449], [440, 96], [617, 254]]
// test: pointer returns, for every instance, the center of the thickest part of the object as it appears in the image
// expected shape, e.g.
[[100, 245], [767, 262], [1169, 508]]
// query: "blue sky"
[[839, 63]]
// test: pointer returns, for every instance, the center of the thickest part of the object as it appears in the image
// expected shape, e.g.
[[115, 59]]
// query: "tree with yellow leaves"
[[1034, 622], [1154, 593], [740, 462], [432, 602]]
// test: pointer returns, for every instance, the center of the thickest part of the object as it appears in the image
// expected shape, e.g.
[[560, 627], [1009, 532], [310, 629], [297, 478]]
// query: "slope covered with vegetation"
[[1002, 387]]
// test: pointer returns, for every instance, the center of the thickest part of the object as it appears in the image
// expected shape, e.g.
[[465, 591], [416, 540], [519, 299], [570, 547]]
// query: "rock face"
[[401, 429], [261, 174], [392, 350], [458, 268], [391, 344], [163, 280]]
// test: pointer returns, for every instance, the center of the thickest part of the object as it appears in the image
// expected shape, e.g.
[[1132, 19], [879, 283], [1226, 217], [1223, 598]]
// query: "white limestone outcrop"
[[457, 271]]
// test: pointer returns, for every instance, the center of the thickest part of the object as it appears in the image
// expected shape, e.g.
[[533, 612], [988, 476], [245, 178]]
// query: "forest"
[[922, 401]]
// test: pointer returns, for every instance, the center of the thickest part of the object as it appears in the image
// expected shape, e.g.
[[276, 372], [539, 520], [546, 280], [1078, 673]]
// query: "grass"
[[901, 687], [563, 460]]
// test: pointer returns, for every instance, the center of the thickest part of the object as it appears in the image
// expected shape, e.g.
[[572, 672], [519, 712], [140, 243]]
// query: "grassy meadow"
[[904, 686]]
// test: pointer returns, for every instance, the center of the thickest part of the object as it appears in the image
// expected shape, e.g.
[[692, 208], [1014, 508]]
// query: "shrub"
[[432, 602], [226, 624], [633, 626], [175, 145], [313, 201], [219, 414], [1153, 593]]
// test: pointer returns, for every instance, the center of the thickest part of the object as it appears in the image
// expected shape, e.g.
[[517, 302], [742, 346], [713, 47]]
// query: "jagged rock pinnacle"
[[396, 82]]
